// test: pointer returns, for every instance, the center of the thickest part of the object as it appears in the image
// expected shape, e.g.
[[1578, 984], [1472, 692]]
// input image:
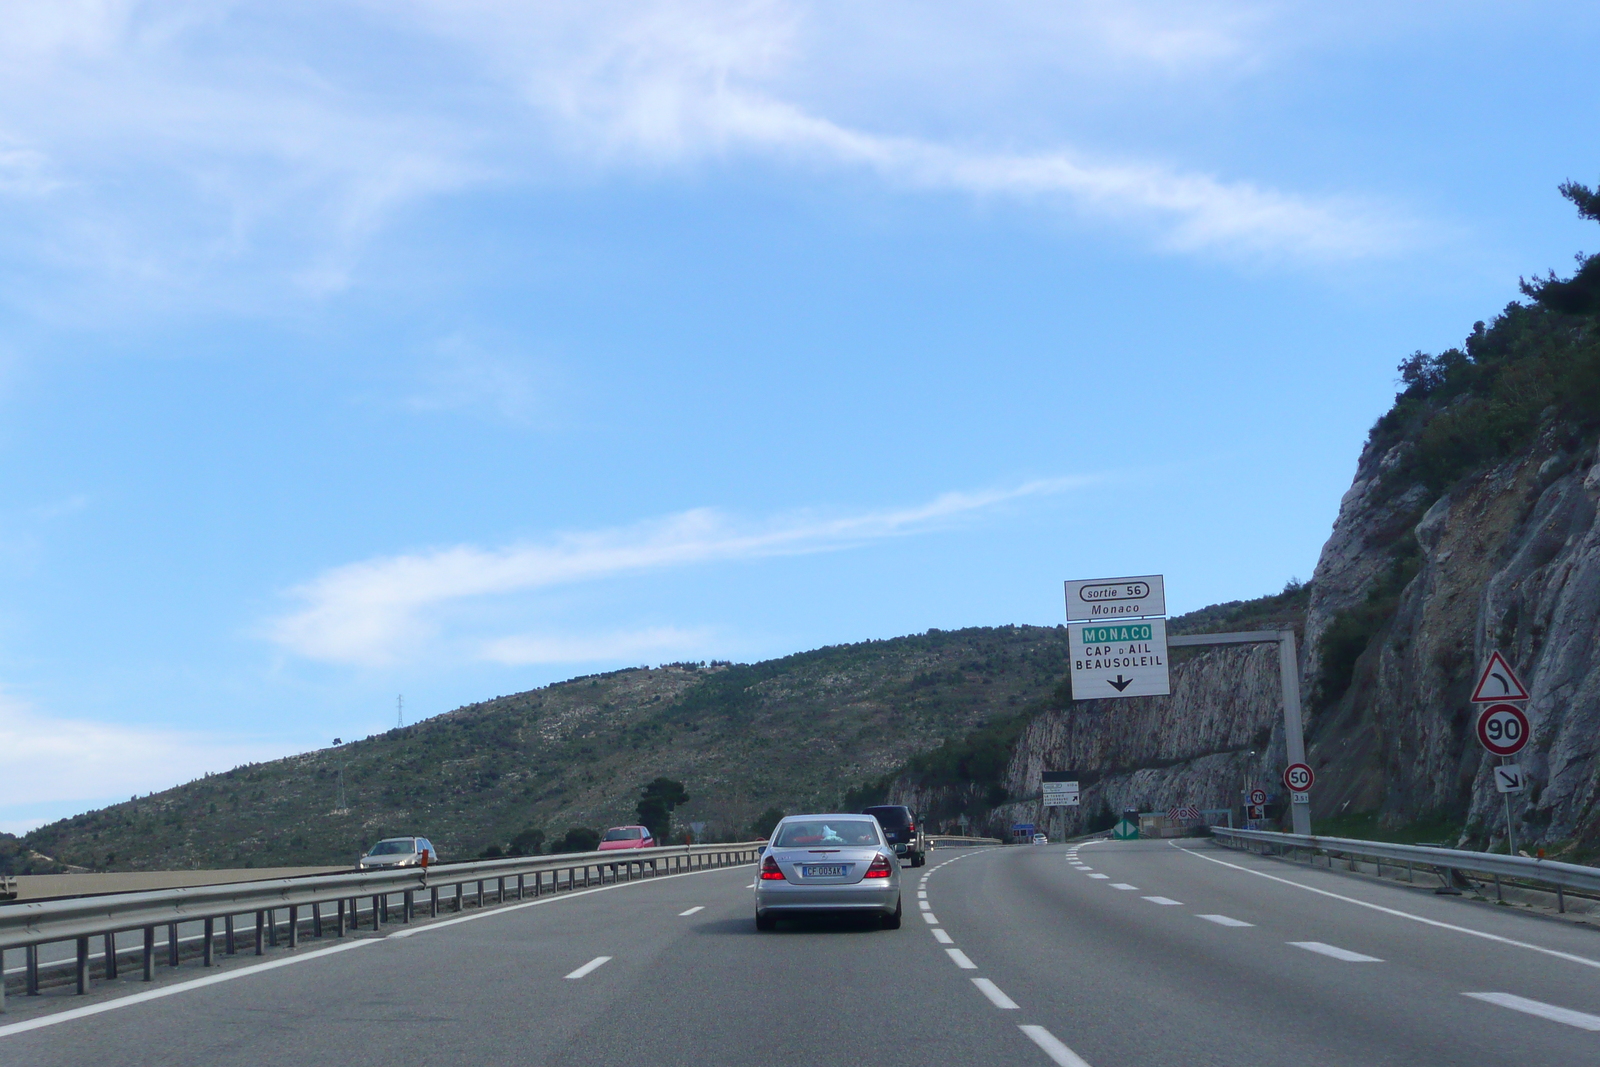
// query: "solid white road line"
[[1569, 957], [691, 911], [943, 938], [961, 959], [1124, 885], [1053, 1047], [1224, 920], [927, 917], [180, 987], [1166, 901], [1582, 1020], [992, 991], [1335, 951], [1099, 876], [593, 965]]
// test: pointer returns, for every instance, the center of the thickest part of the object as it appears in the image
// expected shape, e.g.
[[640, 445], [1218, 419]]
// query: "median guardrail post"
[[149, 954], [210, 936], [316, 919], [294, 926], [31, 966], [111, 957], [228, 947], [83, 966], [172, 944], [261, 928]]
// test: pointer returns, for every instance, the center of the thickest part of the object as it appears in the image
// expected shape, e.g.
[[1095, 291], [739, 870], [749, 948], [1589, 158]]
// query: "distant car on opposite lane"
[[399, 852], [626, 837], [828, 863]]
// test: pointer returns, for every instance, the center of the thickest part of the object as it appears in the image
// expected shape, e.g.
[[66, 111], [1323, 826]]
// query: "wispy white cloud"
[[177, 146], [46, 760], [380, 611]]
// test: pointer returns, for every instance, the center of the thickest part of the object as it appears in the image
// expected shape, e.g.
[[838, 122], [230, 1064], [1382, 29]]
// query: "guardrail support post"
[[316, 919], [272, 926], [500, 891], [149, 953], [379, 906], [410, 903], [261, 923], [538, 882], [458, 905], [31, 961], [210, 936], [1497, 895], [1561, 897], [83, 966], [111, 958], [228, 948], [433, 902], [339, 929], [294, 926], [172, 944]]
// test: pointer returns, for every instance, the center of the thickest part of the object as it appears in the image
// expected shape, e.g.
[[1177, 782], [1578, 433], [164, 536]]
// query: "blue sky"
[[449, 349]]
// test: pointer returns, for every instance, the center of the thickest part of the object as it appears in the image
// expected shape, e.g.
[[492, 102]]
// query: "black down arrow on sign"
[[1120, 684]]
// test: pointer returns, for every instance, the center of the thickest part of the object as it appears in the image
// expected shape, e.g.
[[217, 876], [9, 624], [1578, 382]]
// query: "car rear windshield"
[[892, 816], [624, 833], [392, 848], [827, 833]]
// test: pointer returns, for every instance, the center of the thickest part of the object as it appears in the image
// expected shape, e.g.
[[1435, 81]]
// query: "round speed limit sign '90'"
[[1503, 729], [1298, 777]]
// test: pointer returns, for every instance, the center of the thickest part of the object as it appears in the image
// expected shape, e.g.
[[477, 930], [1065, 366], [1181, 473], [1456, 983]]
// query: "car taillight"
[[770, 871], [879, 869], [911, 827]]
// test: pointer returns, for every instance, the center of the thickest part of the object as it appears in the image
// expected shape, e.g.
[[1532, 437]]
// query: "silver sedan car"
[[828, 863]]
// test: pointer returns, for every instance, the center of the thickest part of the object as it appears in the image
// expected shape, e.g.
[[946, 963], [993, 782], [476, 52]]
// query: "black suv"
[[900, 830]]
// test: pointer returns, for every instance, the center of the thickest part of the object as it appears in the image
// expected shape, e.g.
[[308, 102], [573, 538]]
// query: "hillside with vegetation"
[[520, 771]]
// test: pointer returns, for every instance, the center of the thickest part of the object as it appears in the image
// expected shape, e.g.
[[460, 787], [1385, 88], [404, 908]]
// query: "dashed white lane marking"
[[992, 991], [1124, 885], [1582, 1020], [1167, 901], [1224, 920], [961, 959], [1099, 876], [928, 918], [922, 894], [691, 911], [1053, 1047], [1335, 951], [1397, 913], [924, 905], [588, 968], [942, 937]]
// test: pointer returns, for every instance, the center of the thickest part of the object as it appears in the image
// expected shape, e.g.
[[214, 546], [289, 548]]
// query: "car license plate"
[[825, 871]]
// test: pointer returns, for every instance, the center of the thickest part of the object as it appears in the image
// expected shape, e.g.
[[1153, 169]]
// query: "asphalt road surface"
[[1114, 954]]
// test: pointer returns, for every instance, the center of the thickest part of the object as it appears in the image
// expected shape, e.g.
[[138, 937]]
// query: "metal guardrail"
[[35, 923], [1522, 868], [935, 840], [8, 887]]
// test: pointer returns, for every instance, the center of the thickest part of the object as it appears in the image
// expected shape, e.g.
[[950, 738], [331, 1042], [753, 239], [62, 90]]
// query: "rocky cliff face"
[[1507, 559]]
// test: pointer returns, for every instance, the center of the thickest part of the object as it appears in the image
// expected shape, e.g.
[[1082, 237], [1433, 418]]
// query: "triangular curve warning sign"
[[1498, 682]]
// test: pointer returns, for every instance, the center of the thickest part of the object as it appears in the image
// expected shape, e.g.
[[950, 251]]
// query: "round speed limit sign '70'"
[[1298, 777], [1503, 729]]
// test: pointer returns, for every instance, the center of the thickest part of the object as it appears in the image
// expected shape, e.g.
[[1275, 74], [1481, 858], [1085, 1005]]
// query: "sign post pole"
[[1294, 737], [1511, 834]]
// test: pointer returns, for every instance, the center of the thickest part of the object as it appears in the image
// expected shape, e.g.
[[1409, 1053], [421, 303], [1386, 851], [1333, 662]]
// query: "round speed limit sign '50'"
[[1503, 729], [1298, 777]]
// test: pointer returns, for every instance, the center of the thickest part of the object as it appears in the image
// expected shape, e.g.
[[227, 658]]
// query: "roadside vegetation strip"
[[1397, 913]]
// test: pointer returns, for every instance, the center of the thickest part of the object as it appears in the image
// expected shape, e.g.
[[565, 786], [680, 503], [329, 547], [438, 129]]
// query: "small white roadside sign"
[[1060, 794], [1509, 779], [1116, 598], [1118, 659]]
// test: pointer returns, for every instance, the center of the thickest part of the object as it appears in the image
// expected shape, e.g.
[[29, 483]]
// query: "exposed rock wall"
[[1509, 559]]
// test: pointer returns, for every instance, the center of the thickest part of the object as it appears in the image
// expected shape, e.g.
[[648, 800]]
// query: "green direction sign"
[[1125, 830]]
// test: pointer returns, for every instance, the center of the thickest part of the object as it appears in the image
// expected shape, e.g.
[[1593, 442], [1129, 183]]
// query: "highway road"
[[1113, 954]]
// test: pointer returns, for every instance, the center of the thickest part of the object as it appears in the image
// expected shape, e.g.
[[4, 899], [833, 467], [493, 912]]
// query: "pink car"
[[626, 837]]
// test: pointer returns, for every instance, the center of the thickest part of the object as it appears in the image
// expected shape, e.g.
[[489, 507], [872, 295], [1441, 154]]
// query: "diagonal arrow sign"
[[1120, 684]]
